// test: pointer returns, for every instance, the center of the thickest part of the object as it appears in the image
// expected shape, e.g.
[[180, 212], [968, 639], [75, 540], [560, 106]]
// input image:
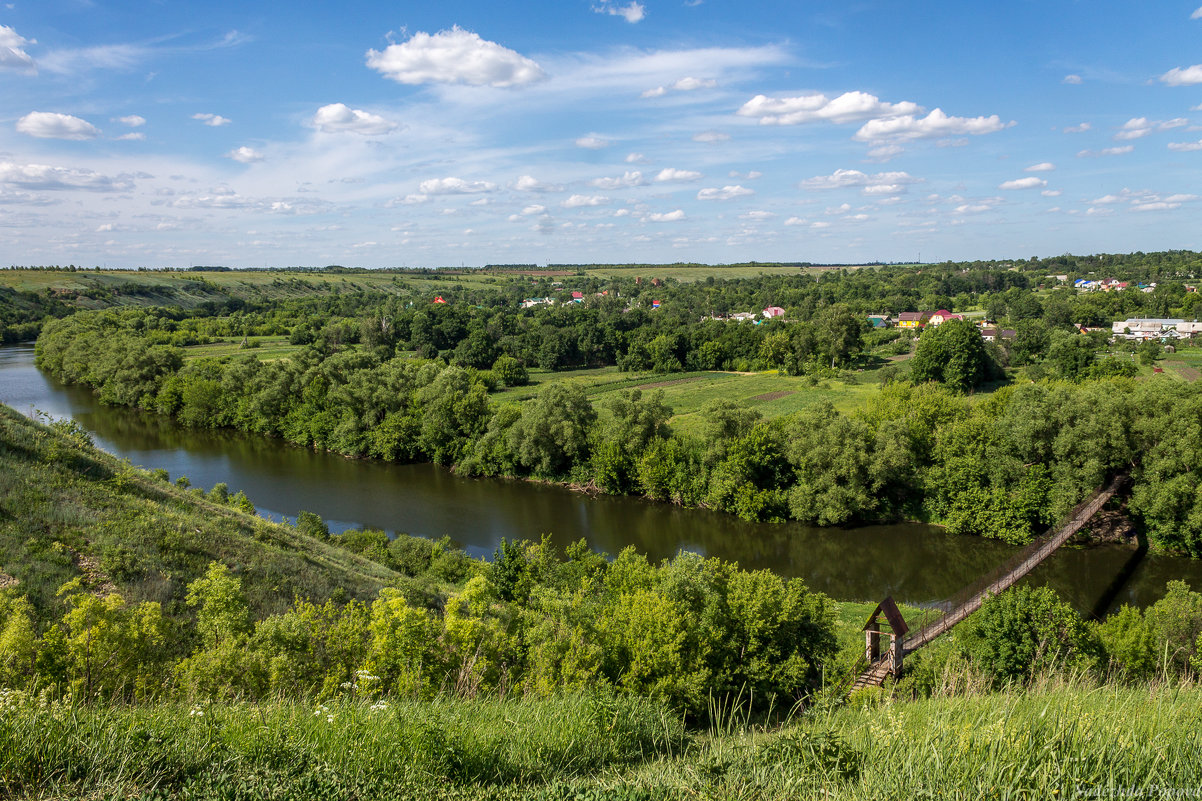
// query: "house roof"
[[913, 316], [892, 614]]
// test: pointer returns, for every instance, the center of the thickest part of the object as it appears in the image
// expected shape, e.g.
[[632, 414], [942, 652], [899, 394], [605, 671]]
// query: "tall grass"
[[351, 749]]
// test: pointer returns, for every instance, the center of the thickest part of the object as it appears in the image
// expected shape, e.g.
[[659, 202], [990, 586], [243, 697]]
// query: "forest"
[[992, 438]]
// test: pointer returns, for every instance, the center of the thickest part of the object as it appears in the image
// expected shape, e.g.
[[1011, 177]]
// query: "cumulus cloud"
[[757, 215], [1082, 128], [593, 142], [669, 216], [528, 183], [1043, 166], [245, 155], [454, 186], [44, 176], [1051, 193], [882, 183], [1185, 147], [12, 51], [1179, 76], [1197, 13], [211, 120], [672, 174], [935, 124], [628, 178], [454, 56], [137, 136], [633, 12], [817, 107], [750, 176], [133, 120], [1106, 151], [725, 193], [882, 153], [579, 201], [658, 91], [1139, 127], [1030, 182], [796, 221], [1072, 80], [340, 118], [636, 158], [51, 125], [710, 137]]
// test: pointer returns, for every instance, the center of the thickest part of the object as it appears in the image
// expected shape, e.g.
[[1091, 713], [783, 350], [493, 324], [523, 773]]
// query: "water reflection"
[[913, 563]]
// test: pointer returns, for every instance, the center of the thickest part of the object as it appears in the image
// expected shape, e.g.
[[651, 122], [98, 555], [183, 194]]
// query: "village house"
[[913, 319], [774, 311], [942, 316]]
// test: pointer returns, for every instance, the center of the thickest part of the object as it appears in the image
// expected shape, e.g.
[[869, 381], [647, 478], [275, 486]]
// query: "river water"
[[914, 563]]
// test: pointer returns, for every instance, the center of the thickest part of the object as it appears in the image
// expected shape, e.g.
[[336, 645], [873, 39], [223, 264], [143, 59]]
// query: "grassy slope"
[[68, 511]]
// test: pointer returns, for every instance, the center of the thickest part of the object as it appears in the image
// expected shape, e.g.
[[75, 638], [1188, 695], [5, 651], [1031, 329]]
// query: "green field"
[[700, 272], [265, 349]]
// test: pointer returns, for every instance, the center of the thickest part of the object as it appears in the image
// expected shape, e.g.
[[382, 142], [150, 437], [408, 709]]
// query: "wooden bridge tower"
[[897, 632]]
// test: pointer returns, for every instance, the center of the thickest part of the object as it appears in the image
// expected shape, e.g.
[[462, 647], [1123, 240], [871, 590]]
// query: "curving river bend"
[[914, 563]]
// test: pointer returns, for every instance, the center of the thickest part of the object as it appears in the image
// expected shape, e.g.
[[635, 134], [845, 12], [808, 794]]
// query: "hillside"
[[68, 510]]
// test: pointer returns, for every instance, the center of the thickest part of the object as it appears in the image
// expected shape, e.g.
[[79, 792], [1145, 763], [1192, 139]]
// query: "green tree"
[[952, 354], [552, 434]]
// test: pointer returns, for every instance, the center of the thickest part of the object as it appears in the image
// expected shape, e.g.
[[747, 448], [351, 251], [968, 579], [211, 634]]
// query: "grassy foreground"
[[1065, 741]]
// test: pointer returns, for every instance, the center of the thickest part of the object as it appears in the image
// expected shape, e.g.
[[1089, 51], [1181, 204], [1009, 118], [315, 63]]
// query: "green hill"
[[68, 510]]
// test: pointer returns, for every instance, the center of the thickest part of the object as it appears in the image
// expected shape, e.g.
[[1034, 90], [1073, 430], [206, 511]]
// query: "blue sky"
[[155, 133]]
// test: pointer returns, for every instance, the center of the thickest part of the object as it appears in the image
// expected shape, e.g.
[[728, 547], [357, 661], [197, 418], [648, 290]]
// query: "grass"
[[68, 510], [700, 272], [264, 348], [1061, 739]]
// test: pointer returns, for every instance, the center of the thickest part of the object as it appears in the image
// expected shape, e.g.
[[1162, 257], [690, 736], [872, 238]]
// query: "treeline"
[[1006, 466]]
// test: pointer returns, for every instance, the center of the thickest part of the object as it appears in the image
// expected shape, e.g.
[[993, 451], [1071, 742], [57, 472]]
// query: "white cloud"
[[750, 176], [454, 186], [1072, 79], [578, 201], [882, 183], [211, 120], [44, 176], [133, 121], [454, 56], [12, 51], [528, 183], [51, 125], [413, 200], [673, 174], [935, 124], [725, 193], [796, 221], [1139, 127], [670, 216], [636, 158], [709, 137], [1178, 76], [1185, 147], [688, 84], [633, 12], [882, 153], [1106, 151], [1043, 166], [817, 107], [245, 155], [593, 142], [534, 208], [131, 137], [757, 215], [1197, 13], [820, 225], [1030, 182], [340, 118], [1082, 128], [1051, 193], [628, 178]]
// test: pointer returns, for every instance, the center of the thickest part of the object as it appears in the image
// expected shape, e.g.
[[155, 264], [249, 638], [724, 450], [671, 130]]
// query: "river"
[[914, 563]]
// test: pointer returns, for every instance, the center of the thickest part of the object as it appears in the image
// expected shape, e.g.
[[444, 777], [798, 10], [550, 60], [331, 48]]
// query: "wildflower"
[[196, 712]]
